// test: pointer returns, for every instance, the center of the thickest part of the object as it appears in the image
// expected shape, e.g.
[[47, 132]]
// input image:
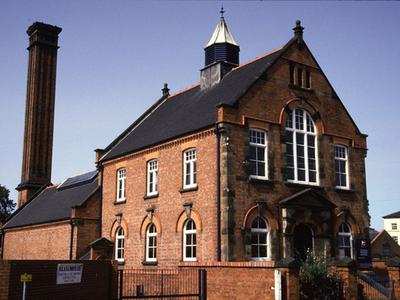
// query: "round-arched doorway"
[[302, 241]]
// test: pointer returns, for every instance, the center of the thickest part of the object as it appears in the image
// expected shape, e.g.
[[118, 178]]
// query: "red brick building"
[[258, 162]]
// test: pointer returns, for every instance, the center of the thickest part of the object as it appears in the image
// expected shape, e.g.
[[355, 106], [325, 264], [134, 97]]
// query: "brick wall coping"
[[228, 264]]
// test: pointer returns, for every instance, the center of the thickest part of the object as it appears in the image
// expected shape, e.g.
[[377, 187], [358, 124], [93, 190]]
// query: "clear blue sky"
[[114, 57]]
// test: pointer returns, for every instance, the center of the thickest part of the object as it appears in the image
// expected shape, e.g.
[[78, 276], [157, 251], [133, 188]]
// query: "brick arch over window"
[[302, 104], [253, 213], [195, 216], [115, 226], [346, 217], [145, 223]]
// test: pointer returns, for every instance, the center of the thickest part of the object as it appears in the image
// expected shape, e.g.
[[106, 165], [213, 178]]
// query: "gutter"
[[71, 242], [218, 203]]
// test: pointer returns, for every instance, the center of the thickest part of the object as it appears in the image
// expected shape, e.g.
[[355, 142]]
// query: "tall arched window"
[[259, 239], [345, 241], [119, 244], [301, 147], [189, 241], [151, 243]]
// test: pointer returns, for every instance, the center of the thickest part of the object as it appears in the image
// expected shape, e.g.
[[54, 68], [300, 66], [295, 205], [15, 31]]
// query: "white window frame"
[[254, 143], [186, 233], [119, 244], [395, 238], [345, 235], [259, 231], [152, 172], [149, 236], [190, 161], [121, 185], [346, 160], [394, 226], [306, 132]]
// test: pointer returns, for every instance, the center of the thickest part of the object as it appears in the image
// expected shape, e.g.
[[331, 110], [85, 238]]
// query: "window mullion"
[[307, 171], [295, 154]]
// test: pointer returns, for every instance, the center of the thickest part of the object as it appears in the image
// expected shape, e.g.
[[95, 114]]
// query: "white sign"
[[69, 273]]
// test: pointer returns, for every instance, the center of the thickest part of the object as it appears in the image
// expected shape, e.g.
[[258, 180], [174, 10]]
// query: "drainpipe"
[[218, 136], [2, 243], [101, 169], [71, 241]]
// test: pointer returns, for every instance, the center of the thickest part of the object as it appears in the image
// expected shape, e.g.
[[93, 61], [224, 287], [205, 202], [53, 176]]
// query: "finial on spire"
[[298, 31], [165, 90], [222, 11]]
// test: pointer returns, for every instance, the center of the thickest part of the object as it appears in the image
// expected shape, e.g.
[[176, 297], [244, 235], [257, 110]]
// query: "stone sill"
[[149, 263], [305, 185], [339, 190], [191, 189], [296, 87], [119, 202], [147, 197], [261, 181]]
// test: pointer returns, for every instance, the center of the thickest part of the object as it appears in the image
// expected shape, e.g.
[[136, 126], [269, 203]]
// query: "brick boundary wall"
[[99, 280], [5, 267], [246, 280], [393, 268]]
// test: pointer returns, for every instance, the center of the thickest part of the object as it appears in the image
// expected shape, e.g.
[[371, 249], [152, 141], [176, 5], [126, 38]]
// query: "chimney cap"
[[43, 27]]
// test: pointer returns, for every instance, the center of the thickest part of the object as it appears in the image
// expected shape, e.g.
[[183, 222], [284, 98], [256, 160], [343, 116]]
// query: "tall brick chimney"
[[39, 112]]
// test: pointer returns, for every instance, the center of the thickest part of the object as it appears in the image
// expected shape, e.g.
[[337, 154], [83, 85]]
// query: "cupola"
[[221, 54]]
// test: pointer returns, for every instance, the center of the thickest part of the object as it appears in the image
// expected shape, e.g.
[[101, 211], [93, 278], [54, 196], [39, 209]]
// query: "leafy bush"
[[317, 281]]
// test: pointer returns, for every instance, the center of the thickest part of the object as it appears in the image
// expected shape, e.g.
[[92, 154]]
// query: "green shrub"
[[317, 281]]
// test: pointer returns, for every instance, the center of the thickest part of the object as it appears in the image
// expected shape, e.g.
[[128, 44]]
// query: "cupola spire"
[[221, 53]]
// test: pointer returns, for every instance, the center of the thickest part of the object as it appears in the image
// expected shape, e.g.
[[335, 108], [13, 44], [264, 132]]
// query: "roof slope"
[[196, 108], [55, 204], [393, 215], [191, 110]]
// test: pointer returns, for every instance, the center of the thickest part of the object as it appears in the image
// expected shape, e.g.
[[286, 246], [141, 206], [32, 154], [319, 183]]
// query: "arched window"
[[259, 239], [345, 241], [119, 244], [301, 147], [151, 243], [189, 241]]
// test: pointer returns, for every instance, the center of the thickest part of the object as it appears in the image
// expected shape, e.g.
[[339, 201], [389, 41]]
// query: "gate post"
[[204, 280], [202, 284], [121, 284]]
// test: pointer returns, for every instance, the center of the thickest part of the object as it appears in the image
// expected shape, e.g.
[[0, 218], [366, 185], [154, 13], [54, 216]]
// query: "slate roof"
[[188, 111], [55, 203], [393, 215], [195, 108]]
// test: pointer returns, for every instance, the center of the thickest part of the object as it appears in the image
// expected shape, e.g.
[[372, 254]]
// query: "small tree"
[[6, 204], [317, 281]]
